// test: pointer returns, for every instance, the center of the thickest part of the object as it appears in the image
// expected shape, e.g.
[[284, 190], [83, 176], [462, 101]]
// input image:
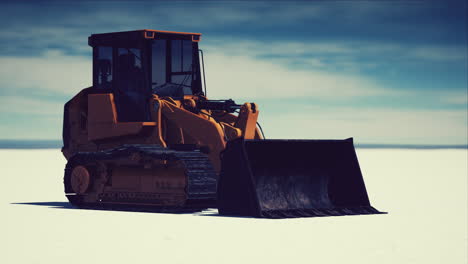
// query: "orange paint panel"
[[102, 119], [247, 120], [155, 180], [207, 132]]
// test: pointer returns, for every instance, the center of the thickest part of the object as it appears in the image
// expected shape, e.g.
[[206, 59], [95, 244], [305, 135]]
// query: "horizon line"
[[57, 144]]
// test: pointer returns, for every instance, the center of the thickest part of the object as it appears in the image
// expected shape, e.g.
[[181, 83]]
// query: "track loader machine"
[[146, 137]]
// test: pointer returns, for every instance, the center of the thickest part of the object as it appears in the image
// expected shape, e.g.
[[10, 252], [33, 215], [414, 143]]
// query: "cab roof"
[[138, 36]]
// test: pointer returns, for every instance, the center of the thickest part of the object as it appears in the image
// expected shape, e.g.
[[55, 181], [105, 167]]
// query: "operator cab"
[[133, 65]]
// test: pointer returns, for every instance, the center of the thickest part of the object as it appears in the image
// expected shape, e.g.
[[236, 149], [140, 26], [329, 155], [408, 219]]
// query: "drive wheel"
[[80, 179], [80, 174]]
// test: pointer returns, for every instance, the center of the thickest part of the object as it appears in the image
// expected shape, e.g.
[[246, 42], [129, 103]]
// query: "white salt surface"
[[424, 191]]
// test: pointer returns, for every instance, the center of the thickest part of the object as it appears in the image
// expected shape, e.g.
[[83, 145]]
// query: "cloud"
[[246, 77], [460, 98], [301, 53], [434, 53], [13, 105], [240, 74], [235, 75], [371, 125], [291, 27], [332, 70], [51, 71], [339, 50], [173, 14]]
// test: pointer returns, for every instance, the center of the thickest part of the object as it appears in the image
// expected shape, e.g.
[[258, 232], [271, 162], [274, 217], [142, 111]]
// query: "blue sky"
[[392, 72]]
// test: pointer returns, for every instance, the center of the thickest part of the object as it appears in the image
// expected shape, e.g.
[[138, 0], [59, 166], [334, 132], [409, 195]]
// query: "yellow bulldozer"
[[144, 136]]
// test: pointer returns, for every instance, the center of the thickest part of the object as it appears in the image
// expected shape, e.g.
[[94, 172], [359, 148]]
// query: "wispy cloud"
[[241, 74], [437, 53], [52, 71], [459, 98], [320, 70], [369, 125], [340, 49], [316, 21], [30, 106], [247, 77]]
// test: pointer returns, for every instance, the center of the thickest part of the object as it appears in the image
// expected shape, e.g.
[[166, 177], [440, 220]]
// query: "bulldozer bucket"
[[291, 178]]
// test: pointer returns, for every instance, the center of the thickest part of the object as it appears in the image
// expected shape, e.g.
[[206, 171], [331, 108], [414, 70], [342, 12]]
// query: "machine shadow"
[[58, 205], [212, 212], [216, 214], [67, 205]]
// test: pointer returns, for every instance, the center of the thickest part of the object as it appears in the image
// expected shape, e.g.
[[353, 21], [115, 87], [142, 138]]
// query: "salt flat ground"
[[424, 191]]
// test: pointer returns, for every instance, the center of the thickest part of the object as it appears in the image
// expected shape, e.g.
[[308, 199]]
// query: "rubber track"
[[202, 179]]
